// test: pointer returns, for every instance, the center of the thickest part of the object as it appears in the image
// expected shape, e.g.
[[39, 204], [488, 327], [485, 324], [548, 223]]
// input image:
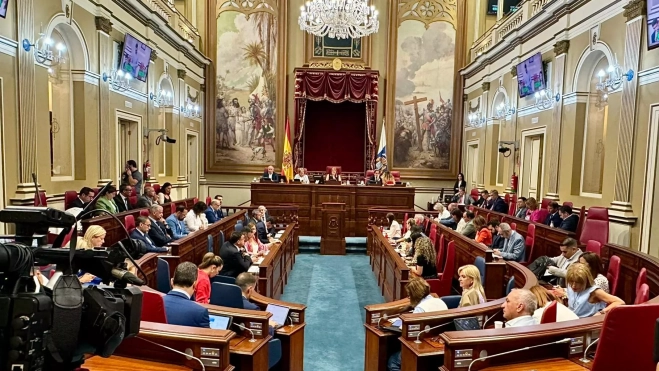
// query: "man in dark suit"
[[482, 200], [375, 178], [497, 203], [160, 233], [179, 309], [141, 232], [236, 259], [147, 199], [570, 221], [462, 198], [270, 174], [122, 199], [261, 231], [497, 239], [85, 196], [553, 219], [247, 283], [270, 226], [214, 212]]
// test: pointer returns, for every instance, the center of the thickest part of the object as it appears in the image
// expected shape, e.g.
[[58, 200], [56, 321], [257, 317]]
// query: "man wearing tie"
[[496, 203], [122, 199], [176, 223], [159, 233], [141, 232], [270, 174], [214, 213], [462, 198]]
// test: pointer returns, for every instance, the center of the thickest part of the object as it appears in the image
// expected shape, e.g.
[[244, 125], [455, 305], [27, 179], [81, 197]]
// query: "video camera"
[[51, 327]]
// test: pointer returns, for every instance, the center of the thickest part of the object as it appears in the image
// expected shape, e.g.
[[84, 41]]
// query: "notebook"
[[279, 313], [219, 322]]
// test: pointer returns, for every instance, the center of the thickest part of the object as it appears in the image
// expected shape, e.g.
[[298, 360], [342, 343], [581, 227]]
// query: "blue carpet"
[[335, 290]]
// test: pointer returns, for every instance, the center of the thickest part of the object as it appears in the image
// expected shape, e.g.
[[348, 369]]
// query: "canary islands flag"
[[382, 150], [287, 160]]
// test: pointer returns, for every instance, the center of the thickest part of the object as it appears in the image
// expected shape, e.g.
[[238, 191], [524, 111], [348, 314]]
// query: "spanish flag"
[[287, 160]]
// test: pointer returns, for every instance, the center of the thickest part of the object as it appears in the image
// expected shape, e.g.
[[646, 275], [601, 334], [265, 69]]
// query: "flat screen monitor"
[[492, 7], [279, 313], [531, 76], [3, 8], [135, 58], [219, 322], [653, 24]]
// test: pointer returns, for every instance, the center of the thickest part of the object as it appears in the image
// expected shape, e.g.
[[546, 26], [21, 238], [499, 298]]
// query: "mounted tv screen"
[[135, 58], [492, 7], [653, 24], [531, 76], [508, 6], [3, 8]]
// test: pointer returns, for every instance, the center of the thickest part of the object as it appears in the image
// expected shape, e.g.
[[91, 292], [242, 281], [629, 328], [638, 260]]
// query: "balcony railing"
[[176, 20], [505, 26]]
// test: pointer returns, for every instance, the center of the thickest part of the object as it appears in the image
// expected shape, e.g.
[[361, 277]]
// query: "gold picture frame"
[[348, 61]]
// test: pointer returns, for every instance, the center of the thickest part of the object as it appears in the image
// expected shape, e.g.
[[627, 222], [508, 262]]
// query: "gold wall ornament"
[[336, 64], [247, 7], [325, 64], [428, 11]]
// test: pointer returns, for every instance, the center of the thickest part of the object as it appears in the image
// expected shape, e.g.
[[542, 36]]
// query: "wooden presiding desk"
[[310, 198]]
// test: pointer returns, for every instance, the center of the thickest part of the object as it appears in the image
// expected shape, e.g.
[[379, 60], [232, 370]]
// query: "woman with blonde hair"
[[253, 245], [534, 212], [94, 237], [302, 176], [545, 298], [472, 288], [388, 179], [585, 298], [425, 258], [333, 175], [210, 266]]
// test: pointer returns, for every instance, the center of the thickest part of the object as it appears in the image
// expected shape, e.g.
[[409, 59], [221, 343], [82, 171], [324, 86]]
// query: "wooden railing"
[[283, 215], [275, 267]]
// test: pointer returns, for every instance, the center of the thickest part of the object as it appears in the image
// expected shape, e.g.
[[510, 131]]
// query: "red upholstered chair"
[[144, 212], [129, 223], [404, 229], [172, 208], [439, 261], [613, 273], [369, 173], [512, 208], [208, 200], [549, 314], [642, 294], [474, 193], [195, 200], [507, 197], [642, 278], [433, 234], [396, 175], [596, 226], [530, 243], [568, 203], [42, 196], [545, 203], [156, 187], [133, 193], [132, 200], [594, 246], [328, 169], [513, 226], [153, 307], [69, 197], [615, 351], [442, 285], [147, 184]]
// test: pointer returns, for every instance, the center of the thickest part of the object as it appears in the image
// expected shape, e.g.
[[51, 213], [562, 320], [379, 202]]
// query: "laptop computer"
[[279, 313], [220, 322], [467, 324]]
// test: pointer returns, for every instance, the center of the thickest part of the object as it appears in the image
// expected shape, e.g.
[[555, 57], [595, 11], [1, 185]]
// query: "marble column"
[[480, 184], [183, 171], [634, 12], [510, 134], [105, 125], [555, 129], [202, 135]]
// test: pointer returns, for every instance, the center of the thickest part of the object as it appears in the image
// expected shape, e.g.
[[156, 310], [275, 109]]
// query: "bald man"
[[519, 307]]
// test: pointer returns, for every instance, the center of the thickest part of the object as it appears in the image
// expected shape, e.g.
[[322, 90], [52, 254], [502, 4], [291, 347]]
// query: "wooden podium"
[[333, 237]]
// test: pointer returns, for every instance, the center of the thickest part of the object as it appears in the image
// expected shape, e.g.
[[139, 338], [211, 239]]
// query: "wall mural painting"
[[246, 85]]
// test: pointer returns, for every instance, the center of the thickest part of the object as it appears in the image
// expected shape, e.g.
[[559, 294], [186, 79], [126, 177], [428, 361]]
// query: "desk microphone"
[[242, 326], [488, 320], [175, 351], [563, 341], [127, 276], [585, 358], [291, 320], [384, 316], [417, 341]]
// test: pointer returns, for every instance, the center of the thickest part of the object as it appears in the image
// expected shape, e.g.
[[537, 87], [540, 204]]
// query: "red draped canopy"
[[336, 87]]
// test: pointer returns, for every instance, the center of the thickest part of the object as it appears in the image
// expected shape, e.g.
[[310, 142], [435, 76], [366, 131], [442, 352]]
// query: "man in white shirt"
[[519, 307], [570, 253]]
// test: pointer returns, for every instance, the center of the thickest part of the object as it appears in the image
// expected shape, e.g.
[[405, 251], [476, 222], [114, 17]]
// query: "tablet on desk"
[[219, 322], [279, 313]]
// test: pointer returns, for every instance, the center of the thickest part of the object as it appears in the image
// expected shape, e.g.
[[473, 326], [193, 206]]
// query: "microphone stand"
[[381, 318], [203, 367], [489, 319], [566, 340], [417, 341], [252, 340], [290, 320], [585, 353]]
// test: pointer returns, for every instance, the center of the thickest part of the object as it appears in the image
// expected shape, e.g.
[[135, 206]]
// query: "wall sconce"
[[503, 110], [43, 53], [614, 80], [118, 80], [190, 111], [161, 98], [545, 99], [476, 120]]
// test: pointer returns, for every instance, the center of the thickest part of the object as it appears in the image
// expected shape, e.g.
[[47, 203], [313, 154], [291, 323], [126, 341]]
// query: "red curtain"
[[335, 87]]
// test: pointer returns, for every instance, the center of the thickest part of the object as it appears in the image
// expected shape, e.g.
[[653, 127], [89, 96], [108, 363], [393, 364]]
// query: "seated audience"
[[469, 230], [462, 223], [425, 258], [483, 233], [141, 232], [452, 222], [264, 213], [496, 203], [148, 198], [302, 176], [585, 298], [519, 307], [236, 259], [414, 237], [419, 219], [442, 212], [214, 212], [122, 200], [333, 175], [270, 227], [408, 232], [514, 245], [253, 245], [521, 208], [261, 230], [179, 309], [535, 213], [247, 284], [196, 219], [482, 200], [570, 221], [106, 201], [375, 178], [165, 193], [472, 289], [270, 174], [94, 237], [497, 239], [176, 223], [570, 253], [554, 218], [85, 196], [388, 179], [462, 198], [394, 227], [595, 266], [544, 298], [160, 233], [209, 267]]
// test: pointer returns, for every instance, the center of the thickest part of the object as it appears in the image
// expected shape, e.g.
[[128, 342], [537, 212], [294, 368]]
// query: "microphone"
[[585, 359], [125, 275], [381, 318], [175, 351], [417, 341], [291, 320], [242, 326], [563, 341], [489, 319]]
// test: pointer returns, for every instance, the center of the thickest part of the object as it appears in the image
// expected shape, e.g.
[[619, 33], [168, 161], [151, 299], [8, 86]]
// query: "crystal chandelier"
[[340, 19]]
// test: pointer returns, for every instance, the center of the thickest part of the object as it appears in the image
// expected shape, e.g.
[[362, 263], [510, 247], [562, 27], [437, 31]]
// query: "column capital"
[[634, 9], [486, 86], [181, 74], [154, 55], [561, 47], [103, 24], [513, 70]]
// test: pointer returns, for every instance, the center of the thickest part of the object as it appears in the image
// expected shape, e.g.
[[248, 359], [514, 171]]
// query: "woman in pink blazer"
[[535, 213]]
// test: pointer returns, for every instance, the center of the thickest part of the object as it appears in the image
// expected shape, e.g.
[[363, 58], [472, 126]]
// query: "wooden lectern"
[[333, 237]]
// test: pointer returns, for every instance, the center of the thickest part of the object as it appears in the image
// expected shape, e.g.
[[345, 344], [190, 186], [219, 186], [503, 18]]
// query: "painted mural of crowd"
[[251, 125], [434, 123]]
